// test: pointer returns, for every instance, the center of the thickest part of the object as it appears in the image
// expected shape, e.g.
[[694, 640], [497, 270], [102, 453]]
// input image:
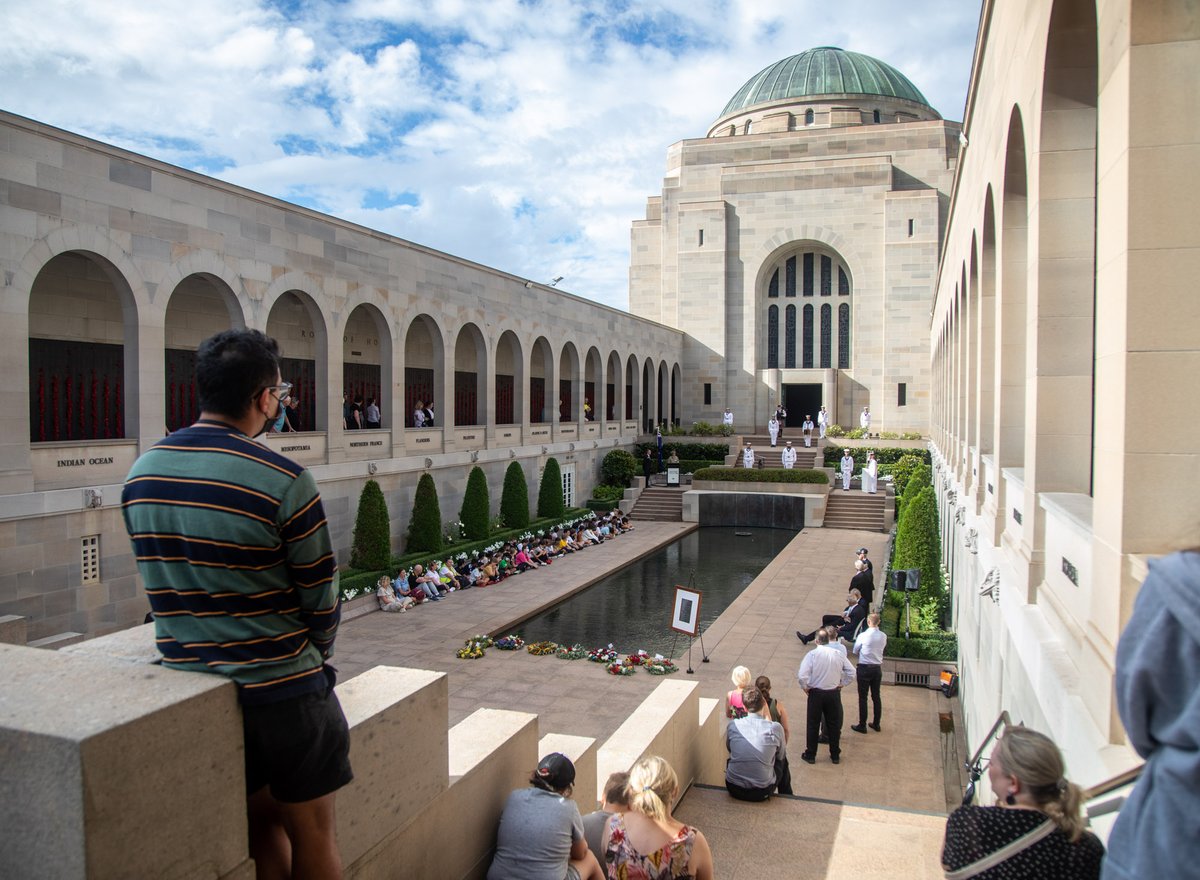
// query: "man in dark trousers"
[[847, 622], [231, 542], [863, 582], [869, 646], [823, 673]]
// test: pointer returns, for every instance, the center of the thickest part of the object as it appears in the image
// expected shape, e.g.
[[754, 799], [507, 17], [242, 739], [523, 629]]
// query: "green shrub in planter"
[[918, 545], [835, 431], [699, 451], [608, 493], [704, 429], [550, 495], [760, 475], [924, 646], [618, 468], [425, 527], [372, 543], [596, 504], [475, 507], [514, 498]]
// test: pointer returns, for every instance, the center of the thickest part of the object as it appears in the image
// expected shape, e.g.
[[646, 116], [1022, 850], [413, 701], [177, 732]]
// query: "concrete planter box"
[[761, 488]]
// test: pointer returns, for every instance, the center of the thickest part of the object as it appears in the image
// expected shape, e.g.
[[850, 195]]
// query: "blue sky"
[[523, 134]]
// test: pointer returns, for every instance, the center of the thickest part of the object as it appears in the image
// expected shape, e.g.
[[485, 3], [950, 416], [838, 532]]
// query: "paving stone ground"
[[888, 787]]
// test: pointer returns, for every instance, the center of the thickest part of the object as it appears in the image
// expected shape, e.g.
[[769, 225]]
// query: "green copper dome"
[[825, 70]]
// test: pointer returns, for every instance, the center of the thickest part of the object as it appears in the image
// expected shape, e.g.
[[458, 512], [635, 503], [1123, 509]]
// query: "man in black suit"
[[846, 622], [863, 581]]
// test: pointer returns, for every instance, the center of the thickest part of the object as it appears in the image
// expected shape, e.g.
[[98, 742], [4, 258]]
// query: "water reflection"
[[632, 608]]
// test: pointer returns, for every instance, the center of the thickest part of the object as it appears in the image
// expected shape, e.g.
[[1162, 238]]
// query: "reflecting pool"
[[632, 607]]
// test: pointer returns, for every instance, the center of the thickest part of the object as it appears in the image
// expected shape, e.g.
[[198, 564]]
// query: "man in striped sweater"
[[234, 551]]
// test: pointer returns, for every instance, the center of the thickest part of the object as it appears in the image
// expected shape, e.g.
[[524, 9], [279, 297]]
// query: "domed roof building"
[[797, 241]]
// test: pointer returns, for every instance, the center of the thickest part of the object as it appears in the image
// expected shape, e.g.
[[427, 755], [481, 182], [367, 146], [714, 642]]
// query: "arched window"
[[826, 336], [809, 116], [843, 282], [808, 274], [807, 338], [789, 288], [789, 343], [826, 275], [773, 288], [844, 336], [773, 337]]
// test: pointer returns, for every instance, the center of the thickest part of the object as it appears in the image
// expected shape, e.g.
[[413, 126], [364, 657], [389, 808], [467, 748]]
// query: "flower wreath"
[[509, 643], [602, 655], [616, 668], [637, 658], [480, 640], [660, 666], [473, 651], [575, 652], [540, 649]]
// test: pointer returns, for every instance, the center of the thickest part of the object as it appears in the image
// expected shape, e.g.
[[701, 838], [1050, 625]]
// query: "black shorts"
[[299, 747]]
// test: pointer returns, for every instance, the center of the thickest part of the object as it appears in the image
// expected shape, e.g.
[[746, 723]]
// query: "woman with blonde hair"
[[741, 678], [647, 842], [1036, 829]]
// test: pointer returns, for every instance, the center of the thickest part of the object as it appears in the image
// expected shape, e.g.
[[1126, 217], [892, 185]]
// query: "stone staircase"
[[855, 510], [660, 503]]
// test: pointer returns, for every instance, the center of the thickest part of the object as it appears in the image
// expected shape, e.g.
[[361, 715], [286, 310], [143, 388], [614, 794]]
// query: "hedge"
[[942, 647], [371, 545], [514, 498], [608, 493], [597, 505], [425, 527], [887, 455], [550, 495], [918, 545], [476, 506], [761, 475], [619, 468], [696, 451]]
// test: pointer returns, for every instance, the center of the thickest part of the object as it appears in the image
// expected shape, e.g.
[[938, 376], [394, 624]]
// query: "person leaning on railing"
[[1036, 829]]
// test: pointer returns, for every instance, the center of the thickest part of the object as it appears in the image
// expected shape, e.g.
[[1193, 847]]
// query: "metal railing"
[[975, 764], [1112, 805]]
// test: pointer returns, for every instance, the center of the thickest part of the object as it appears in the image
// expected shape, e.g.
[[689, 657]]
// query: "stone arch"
[[509, 370], [198, 306], [676, 391], [664, 393], [424, 370], [541, 377], [1014, 255], [593, 384], [470, 376], [569, 406], [633, 390], [295, 320], [367, 360], [987, 327], [649, 395], [614, 388], [1064, 348]]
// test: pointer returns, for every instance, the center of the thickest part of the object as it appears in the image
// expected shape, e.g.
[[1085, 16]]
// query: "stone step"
[[58, 640]]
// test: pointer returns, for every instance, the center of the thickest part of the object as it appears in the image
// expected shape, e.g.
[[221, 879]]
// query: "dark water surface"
[[632, 608]]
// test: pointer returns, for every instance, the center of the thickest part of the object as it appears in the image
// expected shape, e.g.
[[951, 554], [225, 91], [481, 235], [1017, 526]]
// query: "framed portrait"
[[685, 617]]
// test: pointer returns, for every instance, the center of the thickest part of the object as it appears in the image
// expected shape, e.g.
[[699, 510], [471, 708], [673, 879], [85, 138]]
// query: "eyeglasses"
[[283, 389]]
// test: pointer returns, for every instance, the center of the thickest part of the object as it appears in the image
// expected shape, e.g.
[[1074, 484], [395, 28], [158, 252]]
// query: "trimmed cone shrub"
[[372, 546], [550, 496], [917, 545], [618, 468], [514, 498], [425, 528], [475, 506]]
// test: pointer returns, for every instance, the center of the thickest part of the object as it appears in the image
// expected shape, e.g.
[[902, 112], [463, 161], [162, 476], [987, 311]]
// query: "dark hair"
[[232, 367], [764, 687], [616, 790]]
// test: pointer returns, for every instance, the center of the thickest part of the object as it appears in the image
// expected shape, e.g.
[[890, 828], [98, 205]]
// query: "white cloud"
[[528, 133]]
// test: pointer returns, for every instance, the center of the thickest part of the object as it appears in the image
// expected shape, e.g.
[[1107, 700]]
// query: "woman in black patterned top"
[[1036, 830]]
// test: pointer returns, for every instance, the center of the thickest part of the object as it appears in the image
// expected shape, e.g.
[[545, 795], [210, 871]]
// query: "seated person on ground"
[[742, 678], [419, 579], [388, 599], [541, 832], [752, 742], [855, 612], [400, 585], [615, 801]]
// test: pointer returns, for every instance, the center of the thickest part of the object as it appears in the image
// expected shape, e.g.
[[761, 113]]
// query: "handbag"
[[1005, 852]]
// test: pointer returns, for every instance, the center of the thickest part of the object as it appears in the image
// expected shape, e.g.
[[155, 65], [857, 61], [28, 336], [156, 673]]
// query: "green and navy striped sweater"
[[231, 542]]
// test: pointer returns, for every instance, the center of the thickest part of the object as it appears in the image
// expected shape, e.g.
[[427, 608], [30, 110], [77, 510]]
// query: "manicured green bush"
[[550, 495], [514, 498], [608, 493], [886, 456], [601, 506], [704, 429], [919, 476], [372, 542], [918, 545], [475, 507], [618, 468], [425, 527], [697, 451], [691, 465], [835, 431], [940, 647], [761, 475]]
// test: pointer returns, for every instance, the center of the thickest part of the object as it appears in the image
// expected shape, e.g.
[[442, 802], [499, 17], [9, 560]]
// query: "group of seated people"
[[633, 836], [756, 738], [433, 582]]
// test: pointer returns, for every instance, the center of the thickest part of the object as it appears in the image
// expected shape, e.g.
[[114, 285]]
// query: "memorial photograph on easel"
[[686, 616]]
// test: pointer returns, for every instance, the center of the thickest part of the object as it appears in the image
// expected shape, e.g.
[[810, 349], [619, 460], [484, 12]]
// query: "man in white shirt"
[[822, 422], [773, 430], [807, 427], [847, 469], [864, 420], [823, 673], [748, 456], [788, 455], [869, 648], [727, 418]]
